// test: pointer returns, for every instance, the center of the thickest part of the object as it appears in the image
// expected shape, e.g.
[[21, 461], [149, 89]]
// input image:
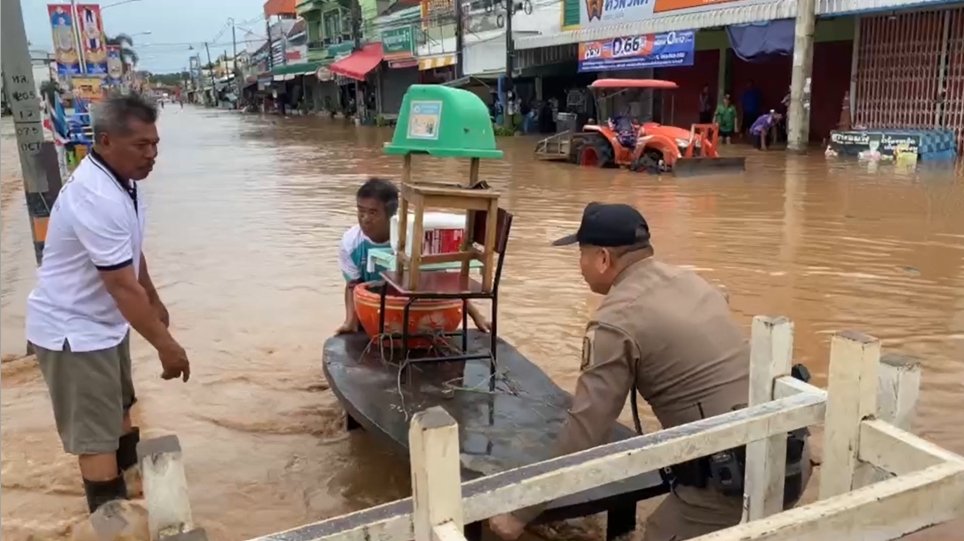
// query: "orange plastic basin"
[[425, 315]]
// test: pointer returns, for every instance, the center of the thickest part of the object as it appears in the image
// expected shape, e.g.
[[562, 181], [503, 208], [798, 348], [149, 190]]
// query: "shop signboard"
[[398, 43], [667, 49], [595, 13], [341, 50], [852, 143]]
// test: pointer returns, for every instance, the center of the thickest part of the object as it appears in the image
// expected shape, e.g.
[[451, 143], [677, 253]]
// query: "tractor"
[[649, 146]]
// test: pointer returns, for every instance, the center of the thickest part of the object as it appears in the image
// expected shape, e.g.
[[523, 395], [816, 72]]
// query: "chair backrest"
[[502, 227]]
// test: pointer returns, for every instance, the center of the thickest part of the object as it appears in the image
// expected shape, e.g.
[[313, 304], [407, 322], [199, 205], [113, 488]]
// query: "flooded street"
[[244, 218]]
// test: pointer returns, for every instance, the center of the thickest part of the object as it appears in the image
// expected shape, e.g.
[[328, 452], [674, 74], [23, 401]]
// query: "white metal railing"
[[877, 481]]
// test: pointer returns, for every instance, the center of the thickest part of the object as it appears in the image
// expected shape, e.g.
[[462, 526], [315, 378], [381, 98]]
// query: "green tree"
[[127, 53]]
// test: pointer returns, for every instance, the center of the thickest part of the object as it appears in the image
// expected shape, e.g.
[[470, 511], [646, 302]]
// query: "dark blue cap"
[[609, 226]]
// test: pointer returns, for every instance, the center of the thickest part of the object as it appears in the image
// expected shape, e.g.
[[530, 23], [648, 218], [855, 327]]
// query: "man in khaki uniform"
[[666, 332]]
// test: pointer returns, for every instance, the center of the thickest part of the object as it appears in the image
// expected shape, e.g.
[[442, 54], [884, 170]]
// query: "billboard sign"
[[666, 49]]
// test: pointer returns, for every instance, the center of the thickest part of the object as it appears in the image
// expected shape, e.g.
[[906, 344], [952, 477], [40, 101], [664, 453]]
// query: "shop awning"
[[359, 63], [465, 81], [302, 68]]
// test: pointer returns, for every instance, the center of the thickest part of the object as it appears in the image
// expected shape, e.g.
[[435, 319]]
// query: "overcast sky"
[[173, 25]]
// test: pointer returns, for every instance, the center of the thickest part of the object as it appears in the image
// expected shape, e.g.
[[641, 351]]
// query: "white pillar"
[[798, 123], [433, 439], [771, 354]]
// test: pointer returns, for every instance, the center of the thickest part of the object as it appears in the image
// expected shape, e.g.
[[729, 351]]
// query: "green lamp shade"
[[445, 122]]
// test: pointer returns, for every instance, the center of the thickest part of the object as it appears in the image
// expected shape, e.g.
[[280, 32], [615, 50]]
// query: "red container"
[[442, 241], [425, 316]]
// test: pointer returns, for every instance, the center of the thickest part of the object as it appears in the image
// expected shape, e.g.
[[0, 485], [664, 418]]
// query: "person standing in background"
[[725, 117], [706, 105]]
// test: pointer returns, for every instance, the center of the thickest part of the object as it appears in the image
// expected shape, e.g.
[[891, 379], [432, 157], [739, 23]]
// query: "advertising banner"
[[667, 49], [852, 143], [594, 13], [65, 45], [92, 39], [115, 65]]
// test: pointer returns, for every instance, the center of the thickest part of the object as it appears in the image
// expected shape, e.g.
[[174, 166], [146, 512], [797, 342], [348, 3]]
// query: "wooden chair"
[[458, 285], [423, 196]]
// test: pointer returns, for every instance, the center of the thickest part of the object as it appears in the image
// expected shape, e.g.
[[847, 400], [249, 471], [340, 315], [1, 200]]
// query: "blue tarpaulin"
[[755, 41]]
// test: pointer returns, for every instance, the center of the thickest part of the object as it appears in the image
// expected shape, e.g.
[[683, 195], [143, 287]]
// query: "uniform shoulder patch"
[[587, 343]]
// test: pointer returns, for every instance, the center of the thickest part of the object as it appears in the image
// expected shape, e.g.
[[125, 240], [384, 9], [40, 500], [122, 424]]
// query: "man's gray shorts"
[[90, 392]]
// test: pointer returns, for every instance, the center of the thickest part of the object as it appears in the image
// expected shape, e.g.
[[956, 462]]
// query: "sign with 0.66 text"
[[666, 49]]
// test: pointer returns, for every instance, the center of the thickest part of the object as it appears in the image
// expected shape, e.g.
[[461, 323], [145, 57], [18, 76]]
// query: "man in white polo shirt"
[[92, 286]]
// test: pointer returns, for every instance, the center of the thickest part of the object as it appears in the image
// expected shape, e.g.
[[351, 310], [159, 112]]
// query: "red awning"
[[359, 63]]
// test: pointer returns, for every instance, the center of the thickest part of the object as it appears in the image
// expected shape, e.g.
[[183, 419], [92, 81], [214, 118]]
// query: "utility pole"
[[798, 121], [509, 54], [360, 105], [25, 105], [459, 70], [267, 29], [210, 72], [234, 62]]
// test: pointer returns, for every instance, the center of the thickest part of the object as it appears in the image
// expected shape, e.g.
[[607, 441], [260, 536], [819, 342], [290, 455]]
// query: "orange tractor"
[[648, 146]]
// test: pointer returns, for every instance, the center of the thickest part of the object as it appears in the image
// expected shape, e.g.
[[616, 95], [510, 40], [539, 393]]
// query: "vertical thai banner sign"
[[62, 26], [667, 49], [115, 65], [92, 39]]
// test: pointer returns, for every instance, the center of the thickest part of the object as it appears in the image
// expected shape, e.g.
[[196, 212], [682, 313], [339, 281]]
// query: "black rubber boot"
[[101, 492], [127, 450]]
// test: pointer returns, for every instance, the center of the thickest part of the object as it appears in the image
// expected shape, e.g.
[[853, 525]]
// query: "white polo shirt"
[[96, 223]]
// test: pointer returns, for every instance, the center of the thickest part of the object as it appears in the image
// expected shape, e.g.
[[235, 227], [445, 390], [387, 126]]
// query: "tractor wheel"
[[649, 162], [593, 150]]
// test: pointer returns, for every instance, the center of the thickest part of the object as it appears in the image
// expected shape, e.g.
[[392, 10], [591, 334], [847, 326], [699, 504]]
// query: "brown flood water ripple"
[[245, 213]]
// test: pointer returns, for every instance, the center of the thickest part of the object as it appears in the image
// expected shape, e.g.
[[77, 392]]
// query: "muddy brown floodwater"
[[244, 218]]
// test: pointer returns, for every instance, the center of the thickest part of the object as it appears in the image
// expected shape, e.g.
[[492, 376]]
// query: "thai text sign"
[[667, 49], [852, 143], [607, 12], [398, 43]]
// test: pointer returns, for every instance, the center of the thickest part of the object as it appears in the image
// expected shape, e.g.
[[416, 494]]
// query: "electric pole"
[[267, 28], [798, 112], [234, 62], [25, 105], [360, 105], [509, 54], [210, 74], [459, 70]]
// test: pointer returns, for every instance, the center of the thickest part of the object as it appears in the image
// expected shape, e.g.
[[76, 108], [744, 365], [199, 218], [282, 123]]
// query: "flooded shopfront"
[[245, 213]]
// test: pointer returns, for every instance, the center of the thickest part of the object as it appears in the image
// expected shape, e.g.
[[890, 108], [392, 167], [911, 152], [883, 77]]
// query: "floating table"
[[506, 422]]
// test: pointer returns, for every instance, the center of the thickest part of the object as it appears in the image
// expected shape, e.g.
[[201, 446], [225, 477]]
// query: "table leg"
[[620, 520], [473, 532]]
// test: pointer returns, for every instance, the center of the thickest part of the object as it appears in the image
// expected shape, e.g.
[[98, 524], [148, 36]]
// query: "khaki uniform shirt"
[[667, 332]]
